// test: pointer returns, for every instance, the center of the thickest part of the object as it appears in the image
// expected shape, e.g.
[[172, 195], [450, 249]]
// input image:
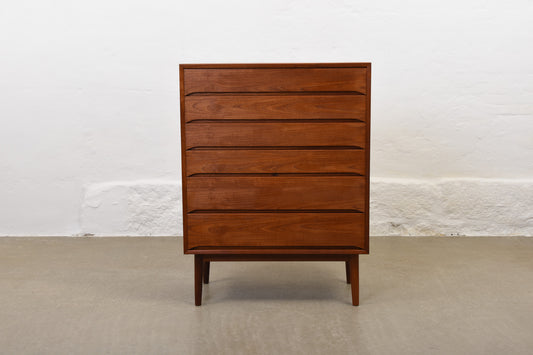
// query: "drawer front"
[[211, 161], [220, 107], [238, 134], [276, 229], [274, 80], [275, 193]]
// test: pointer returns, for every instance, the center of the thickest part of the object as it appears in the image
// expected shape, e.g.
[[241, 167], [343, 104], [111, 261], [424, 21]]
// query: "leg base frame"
[[202, 264]]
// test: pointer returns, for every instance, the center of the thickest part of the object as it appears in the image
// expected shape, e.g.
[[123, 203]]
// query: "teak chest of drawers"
[[275, 164]]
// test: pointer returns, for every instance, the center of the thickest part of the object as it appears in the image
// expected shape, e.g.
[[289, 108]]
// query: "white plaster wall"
[[89, 137]]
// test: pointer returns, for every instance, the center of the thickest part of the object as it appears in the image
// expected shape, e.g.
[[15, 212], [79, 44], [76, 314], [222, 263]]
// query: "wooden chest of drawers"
[[275, 163]]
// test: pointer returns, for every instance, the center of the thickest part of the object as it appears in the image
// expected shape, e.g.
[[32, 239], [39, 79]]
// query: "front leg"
[[198, 271], [354, 278]]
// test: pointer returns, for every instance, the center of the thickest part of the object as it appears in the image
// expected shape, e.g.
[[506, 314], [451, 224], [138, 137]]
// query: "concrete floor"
[[135, 296]]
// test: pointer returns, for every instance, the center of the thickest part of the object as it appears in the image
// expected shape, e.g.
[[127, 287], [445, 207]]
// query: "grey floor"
[[135, 296]]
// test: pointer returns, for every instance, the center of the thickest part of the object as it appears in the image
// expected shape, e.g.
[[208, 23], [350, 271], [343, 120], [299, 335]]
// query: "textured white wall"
[[89, 138]]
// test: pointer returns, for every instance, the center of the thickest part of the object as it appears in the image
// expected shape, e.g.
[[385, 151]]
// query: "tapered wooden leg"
[[347, 272], [354, 278], [198, 268], [206, 272]]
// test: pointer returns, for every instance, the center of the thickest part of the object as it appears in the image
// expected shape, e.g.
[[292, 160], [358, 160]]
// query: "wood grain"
[[275, 80], [222, 107], [275, 192], [275, 161], [276, 229], [228, 134]]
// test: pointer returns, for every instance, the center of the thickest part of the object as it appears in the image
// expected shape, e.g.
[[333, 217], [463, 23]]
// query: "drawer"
[[239, 134], [282, 192], [201, 161], [274, 80], [220, 107], [275, 229]]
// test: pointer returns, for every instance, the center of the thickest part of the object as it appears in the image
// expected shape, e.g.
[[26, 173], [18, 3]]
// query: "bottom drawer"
[[275, 229]]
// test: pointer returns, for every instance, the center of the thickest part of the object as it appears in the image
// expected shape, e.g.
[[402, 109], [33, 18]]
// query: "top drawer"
[[210, 80]]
